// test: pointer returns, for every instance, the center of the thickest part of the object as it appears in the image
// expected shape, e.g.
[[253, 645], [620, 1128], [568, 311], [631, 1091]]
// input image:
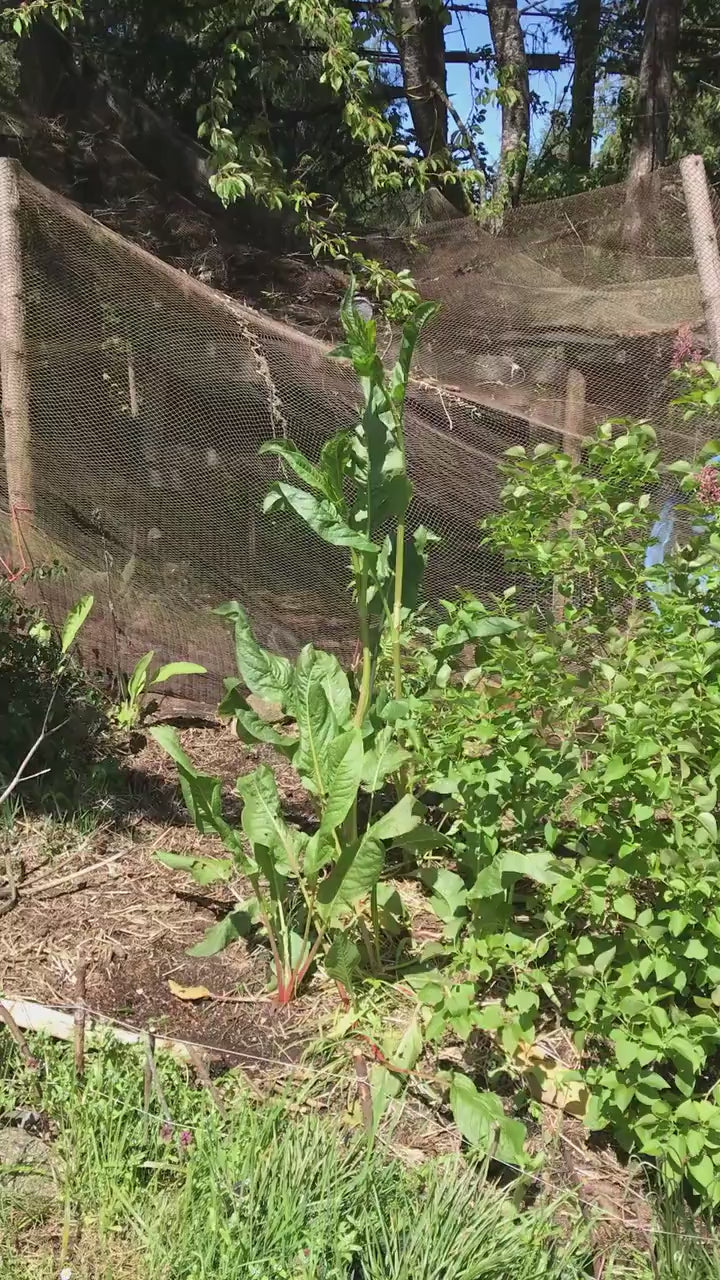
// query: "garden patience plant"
[[310, 890]]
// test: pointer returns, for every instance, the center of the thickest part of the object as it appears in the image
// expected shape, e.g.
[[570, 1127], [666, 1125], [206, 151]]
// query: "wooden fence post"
[[13, 362], [705, 245]]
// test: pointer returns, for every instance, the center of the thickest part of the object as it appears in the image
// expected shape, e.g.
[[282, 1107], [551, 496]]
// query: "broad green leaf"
[[237, 924], [485, 628], [702, 1171], [344, 768], [334, 457], [616, 768], [482, 1121], [251, 727], [342, 961], [411, 330], [393, 918], [290, 454], [625, 906], [172, 669], [267, 675], [316, 722], [385, 1083], [138, 679], [74, 621], [263, 822], [417, 549], [202, 792], [336, 686], [320, 515], [398, 821], [319, 851], [422, 839], [384, 758], [202, 870], [540, 866], [355, 873], [708, 821]]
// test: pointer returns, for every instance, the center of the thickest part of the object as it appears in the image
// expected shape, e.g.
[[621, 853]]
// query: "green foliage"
[[310, 890], [577, 761], [43, 691], [132, 708]]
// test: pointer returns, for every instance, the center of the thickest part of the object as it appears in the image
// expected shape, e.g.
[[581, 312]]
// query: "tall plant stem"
[[375, 921], [364, 628], [397, 607]]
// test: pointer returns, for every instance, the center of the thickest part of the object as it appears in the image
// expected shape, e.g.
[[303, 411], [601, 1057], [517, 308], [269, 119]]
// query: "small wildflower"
[[710, 486], [166, 1131], [66, 1273], [185, 1138]]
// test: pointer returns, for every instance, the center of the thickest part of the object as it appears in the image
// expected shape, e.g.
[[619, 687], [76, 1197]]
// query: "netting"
[[149, 394]]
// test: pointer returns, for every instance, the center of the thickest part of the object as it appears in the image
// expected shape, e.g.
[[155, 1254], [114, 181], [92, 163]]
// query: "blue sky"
[[463, 80]]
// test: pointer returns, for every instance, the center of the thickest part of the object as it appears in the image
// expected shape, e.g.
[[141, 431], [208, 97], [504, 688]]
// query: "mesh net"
[[147, 396]]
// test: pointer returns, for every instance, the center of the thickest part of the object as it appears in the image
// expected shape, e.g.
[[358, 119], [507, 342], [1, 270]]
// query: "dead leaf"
[[189, 993]]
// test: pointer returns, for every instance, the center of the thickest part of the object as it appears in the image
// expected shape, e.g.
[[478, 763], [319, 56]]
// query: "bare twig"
[[363, 1088], [148, 1080], [44, 733], [205, 1079], [17, 1035], [75, 875]]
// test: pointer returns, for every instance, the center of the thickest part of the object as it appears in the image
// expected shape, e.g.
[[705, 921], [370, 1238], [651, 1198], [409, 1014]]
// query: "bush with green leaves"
[[310, 888], [41, 687], [576, 766]]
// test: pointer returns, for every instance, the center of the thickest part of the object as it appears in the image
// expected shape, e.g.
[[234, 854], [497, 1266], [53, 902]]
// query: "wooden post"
[[13, 362], [705, 245]]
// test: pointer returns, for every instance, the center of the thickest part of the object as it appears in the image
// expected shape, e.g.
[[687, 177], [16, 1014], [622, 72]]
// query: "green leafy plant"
[[46, 703], [132, 708], [309, 889], [576, 759]]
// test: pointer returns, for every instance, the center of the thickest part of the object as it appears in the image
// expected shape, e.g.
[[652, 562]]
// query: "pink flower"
[[166, 1131], [186, 1138], [709, 486]]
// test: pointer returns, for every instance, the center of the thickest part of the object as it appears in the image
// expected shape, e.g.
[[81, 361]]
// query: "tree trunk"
[[660, 41], [514, 85], [421, 44], [420, 39], [586, 41]]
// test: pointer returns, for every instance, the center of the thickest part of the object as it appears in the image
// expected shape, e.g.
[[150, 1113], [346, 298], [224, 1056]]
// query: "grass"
[[272, 1192]]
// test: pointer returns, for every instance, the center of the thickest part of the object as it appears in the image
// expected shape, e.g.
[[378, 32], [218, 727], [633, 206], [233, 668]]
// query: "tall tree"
[[420, 40], [586, 49], [655, 80], [514, 96]]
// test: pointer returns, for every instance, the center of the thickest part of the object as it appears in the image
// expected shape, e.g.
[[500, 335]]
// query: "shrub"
[[36, 677], [578, 762]]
